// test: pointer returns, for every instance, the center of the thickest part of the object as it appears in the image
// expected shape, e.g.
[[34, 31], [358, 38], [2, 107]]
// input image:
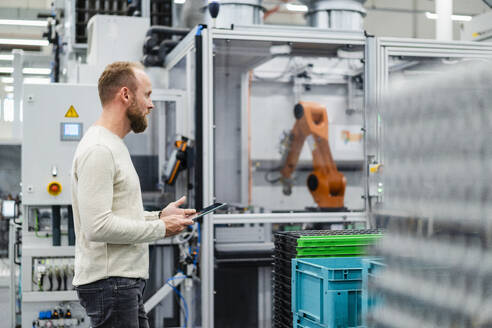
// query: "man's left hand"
[[173, 208]]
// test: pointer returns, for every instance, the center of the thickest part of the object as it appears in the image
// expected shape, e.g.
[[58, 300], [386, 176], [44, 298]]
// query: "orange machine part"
[[326, 184], [181, 145]]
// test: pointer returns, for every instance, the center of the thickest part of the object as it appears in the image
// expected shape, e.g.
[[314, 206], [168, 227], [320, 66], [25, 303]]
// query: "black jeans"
[[114, 302]]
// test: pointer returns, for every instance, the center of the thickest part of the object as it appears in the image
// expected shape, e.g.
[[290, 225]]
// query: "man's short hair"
[[116, 76]]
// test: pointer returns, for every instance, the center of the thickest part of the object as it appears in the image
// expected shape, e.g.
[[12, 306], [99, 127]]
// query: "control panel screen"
[[70, 131]]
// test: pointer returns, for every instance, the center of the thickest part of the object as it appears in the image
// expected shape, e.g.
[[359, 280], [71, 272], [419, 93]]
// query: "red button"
[[54, 188]]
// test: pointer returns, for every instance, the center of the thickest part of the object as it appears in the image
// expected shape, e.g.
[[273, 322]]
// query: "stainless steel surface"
[[336, 14], [237, 12]]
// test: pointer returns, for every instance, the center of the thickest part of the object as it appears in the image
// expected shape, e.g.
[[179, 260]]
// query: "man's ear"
[[125, 94]]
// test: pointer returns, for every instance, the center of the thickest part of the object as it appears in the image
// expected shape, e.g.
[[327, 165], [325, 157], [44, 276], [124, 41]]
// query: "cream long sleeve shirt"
[[112, 230]]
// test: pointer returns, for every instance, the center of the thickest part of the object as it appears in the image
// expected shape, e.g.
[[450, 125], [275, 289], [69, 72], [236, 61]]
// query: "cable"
[[181, 307], [177, 239], [36, 226], [180, 296], [287, 69]]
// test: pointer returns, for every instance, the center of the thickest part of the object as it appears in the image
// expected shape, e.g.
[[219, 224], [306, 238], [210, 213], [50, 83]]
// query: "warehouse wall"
[[406, 18], [394, 18]]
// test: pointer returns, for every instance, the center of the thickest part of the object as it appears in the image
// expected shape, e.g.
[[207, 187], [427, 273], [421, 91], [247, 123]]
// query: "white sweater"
[[111, 227]]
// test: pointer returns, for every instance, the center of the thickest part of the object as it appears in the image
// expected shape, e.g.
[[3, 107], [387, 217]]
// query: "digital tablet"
[[208, 210]]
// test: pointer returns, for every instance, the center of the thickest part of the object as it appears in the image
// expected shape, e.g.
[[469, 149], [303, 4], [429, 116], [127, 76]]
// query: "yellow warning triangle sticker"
[[71, 112]]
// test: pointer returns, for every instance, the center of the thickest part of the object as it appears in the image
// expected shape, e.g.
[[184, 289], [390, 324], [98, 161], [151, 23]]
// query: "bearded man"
[[111, 227]]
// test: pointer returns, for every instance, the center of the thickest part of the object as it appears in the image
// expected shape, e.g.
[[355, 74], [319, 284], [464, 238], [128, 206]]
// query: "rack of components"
[[52, 274], [58, 317]]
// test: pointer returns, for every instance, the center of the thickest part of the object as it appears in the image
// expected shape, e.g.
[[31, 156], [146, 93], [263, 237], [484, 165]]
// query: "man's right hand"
[[175, 223]]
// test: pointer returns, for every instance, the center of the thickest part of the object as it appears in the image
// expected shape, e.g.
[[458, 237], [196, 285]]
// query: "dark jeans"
[[114, 302]]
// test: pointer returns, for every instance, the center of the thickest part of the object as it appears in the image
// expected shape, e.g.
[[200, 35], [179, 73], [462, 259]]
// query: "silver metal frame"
[[255, 33], [378, 52], [387, 47], [262, 33]]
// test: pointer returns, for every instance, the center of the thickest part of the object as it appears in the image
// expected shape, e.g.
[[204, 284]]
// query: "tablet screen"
[[208, 210]]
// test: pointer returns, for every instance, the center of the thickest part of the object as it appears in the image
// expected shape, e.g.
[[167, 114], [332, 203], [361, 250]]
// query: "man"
[[112, 229]]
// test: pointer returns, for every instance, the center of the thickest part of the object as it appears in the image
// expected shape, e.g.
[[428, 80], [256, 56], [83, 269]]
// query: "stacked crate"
[[309, 244]]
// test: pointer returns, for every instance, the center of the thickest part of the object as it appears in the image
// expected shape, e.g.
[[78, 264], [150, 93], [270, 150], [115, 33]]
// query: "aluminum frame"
[[253, 33], [378, 52]]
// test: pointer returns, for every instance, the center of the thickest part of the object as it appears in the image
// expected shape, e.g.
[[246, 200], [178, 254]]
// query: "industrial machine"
[[325, 183], [225, 95], [48, 239]]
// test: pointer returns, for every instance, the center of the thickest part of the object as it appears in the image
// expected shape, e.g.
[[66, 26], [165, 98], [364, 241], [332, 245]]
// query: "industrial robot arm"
[[326, 184]]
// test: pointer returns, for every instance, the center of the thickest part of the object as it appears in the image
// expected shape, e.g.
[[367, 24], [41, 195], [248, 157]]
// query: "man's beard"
[[138, 121]]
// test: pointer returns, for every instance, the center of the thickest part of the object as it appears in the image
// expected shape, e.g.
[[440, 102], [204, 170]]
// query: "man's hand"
[[173, 209], [175, 223], [175, 218]]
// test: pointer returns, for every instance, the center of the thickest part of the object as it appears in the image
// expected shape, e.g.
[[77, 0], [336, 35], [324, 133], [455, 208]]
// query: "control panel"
[[56, 117]]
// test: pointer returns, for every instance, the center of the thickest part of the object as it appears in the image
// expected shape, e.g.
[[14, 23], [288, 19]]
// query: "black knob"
[[298, 111], [312, 182], [213, 8]]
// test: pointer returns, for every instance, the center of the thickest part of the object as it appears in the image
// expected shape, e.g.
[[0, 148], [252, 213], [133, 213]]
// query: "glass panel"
[[407, 69], [407, 73], [268, 159]]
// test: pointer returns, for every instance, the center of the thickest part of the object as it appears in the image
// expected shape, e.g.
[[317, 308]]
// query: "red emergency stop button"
[[54, 188]]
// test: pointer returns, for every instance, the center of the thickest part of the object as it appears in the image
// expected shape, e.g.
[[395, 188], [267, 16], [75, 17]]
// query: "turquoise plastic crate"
[[326, 292]]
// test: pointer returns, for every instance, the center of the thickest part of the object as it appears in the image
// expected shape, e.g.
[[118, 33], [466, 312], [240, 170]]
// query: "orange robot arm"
[[326, 184]]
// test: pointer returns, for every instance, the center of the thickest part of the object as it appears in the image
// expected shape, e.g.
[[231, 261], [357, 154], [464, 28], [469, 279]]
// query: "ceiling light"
[[37, 71], [37, 80], [27, 70], [300, 8], [461, 18], [24, 22], [7, 57], [179, 1], [24, 42], [7, 80], [9, 88]]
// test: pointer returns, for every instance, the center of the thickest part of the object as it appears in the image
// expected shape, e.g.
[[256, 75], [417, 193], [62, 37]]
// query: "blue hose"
[[181, 297]]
